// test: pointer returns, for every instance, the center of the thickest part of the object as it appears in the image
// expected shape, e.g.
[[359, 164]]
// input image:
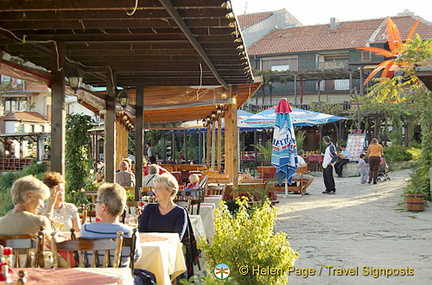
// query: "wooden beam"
[[58, 109], [231, 140], [110, 130], [139, 140], [219, 145], [122, 135], [187, 32], [213, 146], [208, 146]]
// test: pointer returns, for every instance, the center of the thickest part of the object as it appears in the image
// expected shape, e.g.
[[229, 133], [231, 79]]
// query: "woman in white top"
[[62, 214]]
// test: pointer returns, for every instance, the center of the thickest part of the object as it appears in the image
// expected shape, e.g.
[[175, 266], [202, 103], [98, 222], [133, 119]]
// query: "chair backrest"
[[83, 246], [26, 243], [216, 190], [302, 169], [87, 211], [203, 182], [131, 244]]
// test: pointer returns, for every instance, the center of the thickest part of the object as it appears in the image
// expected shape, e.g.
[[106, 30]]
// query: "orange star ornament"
[[397, 47]]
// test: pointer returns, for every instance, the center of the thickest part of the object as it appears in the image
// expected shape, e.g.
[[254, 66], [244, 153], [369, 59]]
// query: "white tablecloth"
[[198, 226], [208, 218], [164, 258], [213, 199]]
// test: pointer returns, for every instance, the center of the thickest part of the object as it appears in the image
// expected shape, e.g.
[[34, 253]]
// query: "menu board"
[[355, 145]]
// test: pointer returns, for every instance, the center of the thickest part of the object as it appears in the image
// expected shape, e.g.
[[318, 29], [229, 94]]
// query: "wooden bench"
[[298, 188]]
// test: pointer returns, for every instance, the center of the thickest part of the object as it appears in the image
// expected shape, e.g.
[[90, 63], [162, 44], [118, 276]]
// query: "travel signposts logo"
[[221, 271]]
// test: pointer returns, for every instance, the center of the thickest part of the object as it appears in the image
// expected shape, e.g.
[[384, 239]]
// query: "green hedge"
[[396, 153], [7, 179]]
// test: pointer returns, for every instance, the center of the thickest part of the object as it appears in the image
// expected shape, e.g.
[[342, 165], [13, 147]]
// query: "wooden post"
[[110, 130], [139, 140], [213, 146], [231, 141], [208, 147], [58, 109], [219, 145], [122, 135]]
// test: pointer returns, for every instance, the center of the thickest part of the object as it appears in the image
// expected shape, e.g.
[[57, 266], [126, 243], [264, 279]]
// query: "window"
[[366, 56], [279, 64]]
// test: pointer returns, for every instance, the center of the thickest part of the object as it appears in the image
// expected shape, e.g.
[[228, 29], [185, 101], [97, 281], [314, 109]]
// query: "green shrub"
[[396, 153], [247, 240], [7, 179]]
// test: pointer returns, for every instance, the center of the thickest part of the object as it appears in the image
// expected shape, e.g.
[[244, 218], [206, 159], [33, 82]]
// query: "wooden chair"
[[195, 197], [300, 182], [87, 211], [216, 190], [131, 244], [25, 244], [82, 246]]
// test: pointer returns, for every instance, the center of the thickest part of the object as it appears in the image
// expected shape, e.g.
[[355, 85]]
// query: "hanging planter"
[[415, 202]]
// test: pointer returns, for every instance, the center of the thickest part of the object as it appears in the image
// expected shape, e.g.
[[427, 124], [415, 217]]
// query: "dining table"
[[198, 226], [208, 218], [74, 276], [162, 255]]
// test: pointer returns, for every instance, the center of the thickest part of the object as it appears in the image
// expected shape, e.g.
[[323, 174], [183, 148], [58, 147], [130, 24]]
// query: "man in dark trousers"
[[330, 157]]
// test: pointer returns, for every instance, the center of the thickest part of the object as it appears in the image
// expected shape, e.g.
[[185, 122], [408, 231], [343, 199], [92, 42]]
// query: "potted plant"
[[245, 240], [415, 200], [417, 192]]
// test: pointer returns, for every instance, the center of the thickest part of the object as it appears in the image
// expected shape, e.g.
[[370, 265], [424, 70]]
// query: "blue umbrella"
[[299, 117], [284, 148]]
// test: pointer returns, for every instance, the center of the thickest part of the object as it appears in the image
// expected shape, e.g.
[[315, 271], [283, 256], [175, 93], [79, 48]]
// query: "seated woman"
[[109, 206], [28, 194], [56, 209], [166, 216], [193, 181]]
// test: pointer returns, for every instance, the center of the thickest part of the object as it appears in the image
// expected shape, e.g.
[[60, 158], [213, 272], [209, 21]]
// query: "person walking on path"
[[374, 152], [362, 168], [343, 159], [330, 157]]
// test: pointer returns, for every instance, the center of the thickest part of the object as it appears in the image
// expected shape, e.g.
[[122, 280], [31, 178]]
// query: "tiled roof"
[[404, 25], [347, 35], [248, 20], [25, 116]]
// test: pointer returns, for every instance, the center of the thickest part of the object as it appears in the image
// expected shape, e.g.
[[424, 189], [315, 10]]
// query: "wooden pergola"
[[140, 45]]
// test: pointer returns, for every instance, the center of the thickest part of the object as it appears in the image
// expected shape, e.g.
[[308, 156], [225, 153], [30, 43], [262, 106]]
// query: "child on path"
[[363, 169]]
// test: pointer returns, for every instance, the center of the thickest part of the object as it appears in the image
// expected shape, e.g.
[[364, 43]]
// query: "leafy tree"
[[405, 88], [78, 159]]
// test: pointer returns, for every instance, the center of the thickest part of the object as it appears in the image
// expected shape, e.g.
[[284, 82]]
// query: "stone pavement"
[[361, 229]]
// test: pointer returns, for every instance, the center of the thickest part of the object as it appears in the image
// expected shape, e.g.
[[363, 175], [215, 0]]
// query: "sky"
[[312, 12]]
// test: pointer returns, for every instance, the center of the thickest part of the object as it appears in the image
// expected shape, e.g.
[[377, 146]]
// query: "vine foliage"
[[78, 159]]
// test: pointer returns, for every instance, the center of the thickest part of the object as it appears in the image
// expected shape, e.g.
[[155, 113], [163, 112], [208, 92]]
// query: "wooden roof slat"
[[170, 40], [77, 5]]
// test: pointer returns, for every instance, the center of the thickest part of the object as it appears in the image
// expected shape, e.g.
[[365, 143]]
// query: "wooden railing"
[[13, 164]]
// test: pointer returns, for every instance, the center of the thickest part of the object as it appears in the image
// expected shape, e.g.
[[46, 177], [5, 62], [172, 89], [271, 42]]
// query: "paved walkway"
[[360, 228]]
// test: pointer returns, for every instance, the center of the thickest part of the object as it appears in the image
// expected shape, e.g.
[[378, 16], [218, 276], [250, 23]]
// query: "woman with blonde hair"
[[374, 152], [28, 194], [166, 216]]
